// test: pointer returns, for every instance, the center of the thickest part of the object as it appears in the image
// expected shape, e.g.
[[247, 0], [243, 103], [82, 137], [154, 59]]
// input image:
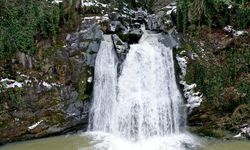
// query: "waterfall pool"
[[84, 142]]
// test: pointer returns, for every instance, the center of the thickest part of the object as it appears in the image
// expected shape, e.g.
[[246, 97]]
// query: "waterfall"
[[104, 96], [148, 97], [143, 106]]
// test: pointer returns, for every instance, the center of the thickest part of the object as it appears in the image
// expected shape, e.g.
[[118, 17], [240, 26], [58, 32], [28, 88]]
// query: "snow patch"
[[47, 85], [98, 18], [230, 6], [35, 125], [57, 1], [194, 99], [88, 3], [9, 83], [90, 79], [240, 33], [236, 33]]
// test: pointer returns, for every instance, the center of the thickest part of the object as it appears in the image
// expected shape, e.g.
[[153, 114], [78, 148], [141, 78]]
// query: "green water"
[[69, 142], [81, 142], [228, 145]]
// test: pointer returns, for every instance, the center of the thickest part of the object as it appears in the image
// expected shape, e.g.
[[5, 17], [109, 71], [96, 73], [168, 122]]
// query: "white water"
[[104, 96], [142, 110]]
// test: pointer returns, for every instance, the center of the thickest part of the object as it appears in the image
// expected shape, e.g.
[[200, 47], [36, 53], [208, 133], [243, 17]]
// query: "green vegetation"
[[13, 96], [223, 79], [217, 13], [222, 75], [24, 22]]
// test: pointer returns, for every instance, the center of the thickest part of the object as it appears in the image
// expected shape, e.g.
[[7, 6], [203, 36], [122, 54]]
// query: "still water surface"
[[83, 142]]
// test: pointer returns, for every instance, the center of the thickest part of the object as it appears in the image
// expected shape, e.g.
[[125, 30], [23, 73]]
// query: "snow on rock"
[[235, 33], [240, 33], [47, 85], [9, 83], [228, 28], [182, 61], [35, 125], [88, 3], [194, 99], [90, 79], [57, 1], [230, 6], [98, 18]]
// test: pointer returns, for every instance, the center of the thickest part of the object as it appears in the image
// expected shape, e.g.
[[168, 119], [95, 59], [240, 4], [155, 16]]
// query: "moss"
[[84, 88], [57, 118]]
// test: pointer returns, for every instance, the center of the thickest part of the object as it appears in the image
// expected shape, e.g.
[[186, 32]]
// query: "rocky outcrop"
[[54, 97], [163, 19], [121, 47]]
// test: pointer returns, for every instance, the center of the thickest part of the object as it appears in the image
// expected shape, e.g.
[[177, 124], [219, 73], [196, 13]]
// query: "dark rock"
[[134, 36], [92, 33], [83, 45], [116, 26], [169, 41], [90, 60], [114, 16], [161, 21], [120, 47], [73, 50]]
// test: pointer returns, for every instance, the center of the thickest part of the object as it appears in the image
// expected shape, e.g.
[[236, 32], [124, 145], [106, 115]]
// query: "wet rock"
[[83, 45], [92, 33], [93, 47], [120, 47], [134, 36], [116, 26], [114, 16], [169, 40]]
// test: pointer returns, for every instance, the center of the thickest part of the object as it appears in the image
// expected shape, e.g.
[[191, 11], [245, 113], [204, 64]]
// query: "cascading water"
[[142, 109], [104, 96], [148, 98]]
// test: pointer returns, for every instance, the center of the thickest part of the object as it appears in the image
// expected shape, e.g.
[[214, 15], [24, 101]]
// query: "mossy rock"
[[84, 87]]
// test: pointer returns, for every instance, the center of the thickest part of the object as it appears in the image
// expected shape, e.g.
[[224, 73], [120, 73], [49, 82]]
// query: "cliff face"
[[50, 95]]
